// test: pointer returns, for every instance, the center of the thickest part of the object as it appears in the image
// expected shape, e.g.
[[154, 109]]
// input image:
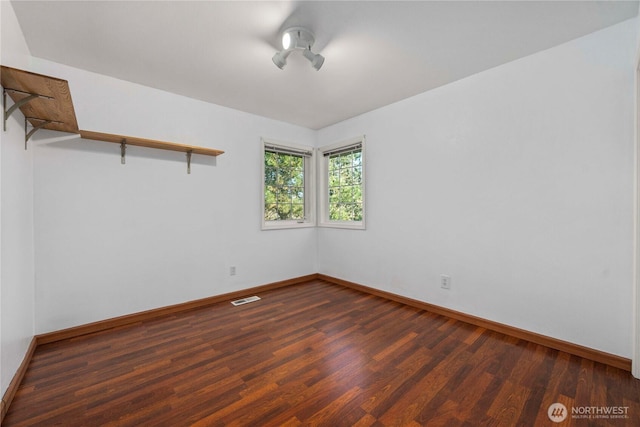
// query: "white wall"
[[518, 183], [115, 239], [16, 219]]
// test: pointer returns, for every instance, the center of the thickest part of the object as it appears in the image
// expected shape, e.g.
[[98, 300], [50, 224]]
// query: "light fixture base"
[[300, 38]]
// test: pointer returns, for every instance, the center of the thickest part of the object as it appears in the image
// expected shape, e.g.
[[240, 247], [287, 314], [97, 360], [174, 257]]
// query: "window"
[[288, 196], [342, 184]]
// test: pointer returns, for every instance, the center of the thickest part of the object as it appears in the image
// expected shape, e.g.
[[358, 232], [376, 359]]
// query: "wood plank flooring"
[[312, 354]]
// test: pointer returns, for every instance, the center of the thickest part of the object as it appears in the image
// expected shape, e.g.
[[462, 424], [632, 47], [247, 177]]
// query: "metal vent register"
[[245, 300]]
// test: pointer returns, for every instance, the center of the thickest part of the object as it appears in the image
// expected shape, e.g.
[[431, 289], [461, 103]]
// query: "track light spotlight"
[[316, 59], [280, 58], [297, 38]]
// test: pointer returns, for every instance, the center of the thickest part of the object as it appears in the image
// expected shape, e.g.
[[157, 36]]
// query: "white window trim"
[[309, 187], [323, 191]]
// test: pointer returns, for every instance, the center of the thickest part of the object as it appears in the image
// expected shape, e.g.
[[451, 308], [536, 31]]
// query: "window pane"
[[333, 163], [346, 194], [334, 177], [270, 159], [357, 212], [357, 158], [270, 174], [346, 160], [357, 194], [346, 176], [284, 211], [353, 212], [297, 195], [284, 186], [345, 187], [296, 179], [334, 212], [357, 174], [269, 195], [334, 196], [344, 214], [283, 197], [270, 212], [297, 211]]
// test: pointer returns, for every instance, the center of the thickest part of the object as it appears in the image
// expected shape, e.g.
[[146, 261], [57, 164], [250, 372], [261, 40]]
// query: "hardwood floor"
[[313, 354]]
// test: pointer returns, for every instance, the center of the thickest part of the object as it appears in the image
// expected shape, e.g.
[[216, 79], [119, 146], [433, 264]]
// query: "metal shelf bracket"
[[123, 151], [18, 104], [28, 135]]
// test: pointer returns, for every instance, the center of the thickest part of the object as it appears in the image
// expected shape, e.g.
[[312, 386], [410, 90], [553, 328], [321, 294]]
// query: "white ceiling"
[[376, 52]]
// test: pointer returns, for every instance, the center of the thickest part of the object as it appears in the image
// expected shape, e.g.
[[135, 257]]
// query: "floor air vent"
[[245, 300]]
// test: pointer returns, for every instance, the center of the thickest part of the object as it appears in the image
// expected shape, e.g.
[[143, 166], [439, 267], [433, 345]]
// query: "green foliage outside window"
[[283, 187], [345, 186]]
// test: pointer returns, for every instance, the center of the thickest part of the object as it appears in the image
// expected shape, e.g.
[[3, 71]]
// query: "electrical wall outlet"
[[445, 281], [232, 270]]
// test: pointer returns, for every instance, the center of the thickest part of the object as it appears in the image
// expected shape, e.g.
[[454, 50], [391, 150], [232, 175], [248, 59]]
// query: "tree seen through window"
[[345, 186], [284, 187]]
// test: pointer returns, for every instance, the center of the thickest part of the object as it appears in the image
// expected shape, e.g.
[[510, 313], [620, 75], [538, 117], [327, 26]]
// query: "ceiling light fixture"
[[297, 38]]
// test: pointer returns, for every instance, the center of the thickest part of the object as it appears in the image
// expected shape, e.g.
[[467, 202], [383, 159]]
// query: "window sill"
[[283, 225], [343, 224]]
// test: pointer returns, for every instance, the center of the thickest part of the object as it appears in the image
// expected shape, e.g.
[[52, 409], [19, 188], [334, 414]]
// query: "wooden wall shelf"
[[149, 143], [46, 103], [53, 101]]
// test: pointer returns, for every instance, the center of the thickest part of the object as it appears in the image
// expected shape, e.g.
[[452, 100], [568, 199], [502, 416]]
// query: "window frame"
[[323, 185], [309, 186]]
